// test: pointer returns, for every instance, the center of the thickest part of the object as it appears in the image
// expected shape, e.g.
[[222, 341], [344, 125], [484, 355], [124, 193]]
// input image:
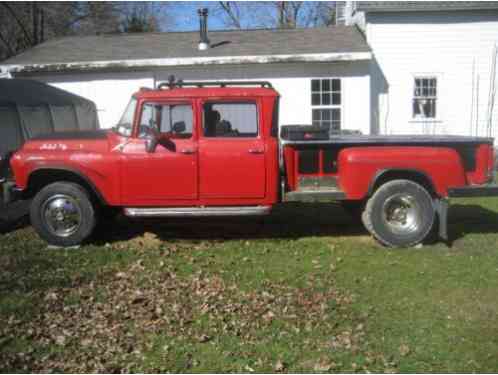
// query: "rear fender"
[[415, 175], [361, 168]]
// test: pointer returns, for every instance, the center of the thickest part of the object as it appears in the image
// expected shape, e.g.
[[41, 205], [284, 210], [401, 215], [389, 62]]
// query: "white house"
[[322, 75], [434, 66], [393, 67]]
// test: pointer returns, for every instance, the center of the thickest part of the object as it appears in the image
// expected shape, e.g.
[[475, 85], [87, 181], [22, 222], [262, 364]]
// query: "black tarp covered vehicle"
[[30, 108]]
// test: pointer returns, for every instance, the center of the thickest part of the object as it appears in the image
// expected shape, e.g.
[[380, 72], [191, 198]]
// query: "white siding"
[[293, 82], [446, 44], [111, 91]]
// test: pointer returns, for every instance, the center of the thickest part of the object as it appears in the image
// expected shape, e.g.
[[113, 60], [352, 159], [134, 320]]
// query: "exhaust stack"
[[204, 41]]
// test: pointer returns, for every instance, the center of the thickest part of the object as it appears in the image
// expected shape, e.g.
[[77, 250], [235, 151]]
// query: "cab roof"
[[206, 90]]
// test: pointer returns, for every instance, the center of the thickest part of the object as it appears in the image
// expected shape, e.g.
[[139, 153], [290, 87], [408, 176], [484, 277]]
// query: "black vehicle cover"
[[30, 108]]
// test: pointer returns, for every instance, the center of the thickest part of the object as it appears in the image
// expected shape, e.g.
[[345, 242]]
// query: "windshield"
[[125, 124]]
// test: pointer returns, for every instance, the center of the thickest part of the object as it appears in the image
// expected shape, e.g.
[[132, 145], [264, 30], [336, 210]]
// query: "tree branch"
[[228, 9], [9, 48], [13, 14]]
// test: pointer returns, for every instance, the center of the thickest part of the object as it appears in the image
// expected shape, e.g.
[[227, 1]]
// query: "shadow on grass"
[[287, 221], [14, 216], [465, 219]]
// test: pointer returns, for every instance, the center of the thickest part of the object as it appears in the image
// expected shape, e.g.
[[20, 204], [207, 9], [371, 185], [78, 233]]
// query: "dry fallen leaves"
[[404, 350], [107, 327], [323, 366], [279, 366]]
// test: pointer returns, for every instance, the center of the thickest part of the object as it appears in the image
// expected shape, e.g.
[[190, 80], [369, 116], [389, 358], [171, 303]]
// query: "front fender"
[[100, 172], [360, 166]]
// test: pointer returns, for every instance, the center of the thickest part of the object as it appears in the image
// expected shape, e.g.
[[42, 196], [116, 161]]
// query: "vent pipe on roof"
[[204, 41]]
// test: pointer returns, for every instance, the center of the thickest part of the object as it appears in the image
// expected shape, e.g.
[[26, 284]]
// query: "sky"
[[182, 16]]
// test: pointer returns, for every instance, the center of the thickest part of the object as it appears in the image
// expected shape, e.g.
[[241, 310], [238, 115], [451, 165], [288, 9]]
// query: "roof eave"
[[393, 9], [186, 61]]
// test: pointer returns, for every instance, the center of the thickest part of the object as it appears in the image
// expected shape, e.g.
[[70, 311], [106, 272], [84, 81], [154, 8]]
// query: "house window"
[[326, 102], [425, 98]]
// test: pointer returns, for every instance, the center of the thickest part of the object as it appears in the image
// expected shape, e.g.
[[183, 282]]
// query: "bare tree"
[[26, 24], [143, 16], [275, 14]]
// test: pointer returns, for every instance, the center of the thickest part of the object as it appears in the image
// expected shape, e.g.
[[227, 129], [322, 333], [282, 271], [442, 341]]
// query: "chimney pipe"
[[204, 41]]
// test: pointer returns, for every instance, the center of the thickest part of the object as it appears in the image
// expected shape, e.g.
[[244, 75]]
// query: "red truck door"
[[169, 173], [231, 151]]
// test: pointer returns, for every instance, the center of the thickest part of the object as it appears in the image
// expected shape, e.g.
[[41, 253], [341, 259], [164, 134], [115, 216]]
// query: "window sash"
[[326, 103], [425, 97]]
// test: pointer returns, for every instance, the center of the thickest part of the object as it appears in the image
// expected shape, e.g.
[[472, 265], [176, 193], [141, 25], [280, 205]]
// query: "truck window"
[[125, 123], [176, 119], [239, 120]]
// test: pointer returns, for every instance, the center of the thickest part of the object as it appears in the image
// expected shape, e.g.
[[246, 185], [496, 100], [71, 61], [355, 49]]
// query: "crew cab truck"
[[213, 149]]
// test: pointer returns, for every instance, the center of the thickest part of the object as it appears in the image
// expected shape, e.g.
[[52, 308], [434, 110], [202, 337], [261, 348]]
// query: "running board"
[[196, 211], [314, 195]]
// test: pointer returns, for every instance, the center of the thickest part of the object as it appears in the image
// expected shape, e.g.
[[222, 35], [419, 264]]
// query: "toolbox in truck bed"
[[312, 132], [304, 132]]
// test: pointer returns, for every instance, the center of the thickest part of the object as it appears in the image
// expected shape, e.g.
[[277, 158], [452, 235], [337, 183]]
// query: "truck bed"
[[312, 163]]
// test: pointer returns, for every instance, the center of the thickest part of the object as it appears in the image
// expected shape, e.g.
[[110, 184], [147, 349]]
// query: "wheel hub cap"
[[62, 215], [402, 214]]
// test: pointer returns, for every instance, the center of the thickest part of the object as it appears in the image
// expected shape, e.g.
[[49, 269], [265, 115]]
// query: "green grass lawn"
[[305, 290]]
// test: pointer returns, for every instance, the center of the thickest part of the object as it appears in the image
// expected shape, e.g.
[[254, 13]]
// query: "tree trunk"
[[34, 14], [42, 25]]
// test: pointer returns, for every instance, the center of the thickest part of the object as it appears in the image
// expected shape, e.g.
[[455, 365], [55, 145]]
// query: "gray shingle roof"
[[397, 6], [112, 47]]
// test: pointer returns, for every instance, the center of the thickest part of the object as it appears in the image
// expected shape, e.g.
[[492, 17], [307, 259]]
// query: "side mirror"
[[179, 127], [151, 142]]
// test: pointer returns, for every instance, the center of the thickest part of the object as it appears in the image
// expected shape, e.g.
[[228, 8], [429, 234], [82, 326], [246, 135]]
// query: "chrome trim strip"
[[314, 195], [196, 211]]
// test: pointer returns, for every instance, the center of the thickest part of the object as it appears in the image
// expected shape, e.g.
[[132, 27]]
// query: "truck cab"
[[209, 146]]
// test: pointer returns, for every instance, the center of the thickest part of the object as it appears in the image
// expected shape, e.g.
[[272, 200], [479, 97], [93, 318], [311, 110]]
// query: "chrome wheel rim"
[[402, 214], [62, 215]]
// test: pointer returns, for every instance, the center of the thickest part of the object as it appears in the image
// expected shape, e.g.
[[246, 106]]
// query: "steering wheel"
[[145, 130]]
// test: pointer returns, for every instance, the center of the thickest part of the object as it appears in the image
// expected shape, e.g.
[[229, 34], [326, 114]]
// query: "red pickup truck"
[[214, 149]]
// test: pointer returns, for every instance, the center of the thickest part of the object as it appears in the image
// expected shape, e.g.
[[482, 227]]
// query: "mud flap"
[[7, 192], [441, 206]]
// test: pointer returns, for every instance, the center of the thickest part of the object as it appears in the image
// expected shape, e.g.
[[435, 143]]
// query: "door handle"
[[187, 151], [256, 151]]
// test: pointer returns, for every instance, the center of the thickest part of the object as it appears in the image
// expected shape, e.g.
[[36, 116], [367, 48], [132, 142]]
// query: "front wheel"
[[63, 214], [400, 214]]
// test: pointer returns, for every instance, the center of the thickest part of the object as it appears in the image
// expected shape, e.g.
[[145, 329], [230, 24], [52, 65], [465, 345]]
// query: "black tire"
[[400, 214], [77, 212]]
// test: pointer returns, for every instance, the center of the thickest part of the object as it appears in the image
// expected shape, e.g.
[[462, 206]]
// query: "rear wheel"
[[62, 213], [400, 213]]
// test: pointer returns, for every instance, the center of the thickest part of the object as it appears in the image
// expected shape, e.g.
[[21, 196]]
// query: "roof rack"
[[179, 84]]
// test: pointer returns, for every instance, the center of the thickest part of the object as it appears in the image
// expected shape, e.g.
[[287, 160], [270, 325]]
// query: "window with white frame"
[[425, 97], [326, 102]]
